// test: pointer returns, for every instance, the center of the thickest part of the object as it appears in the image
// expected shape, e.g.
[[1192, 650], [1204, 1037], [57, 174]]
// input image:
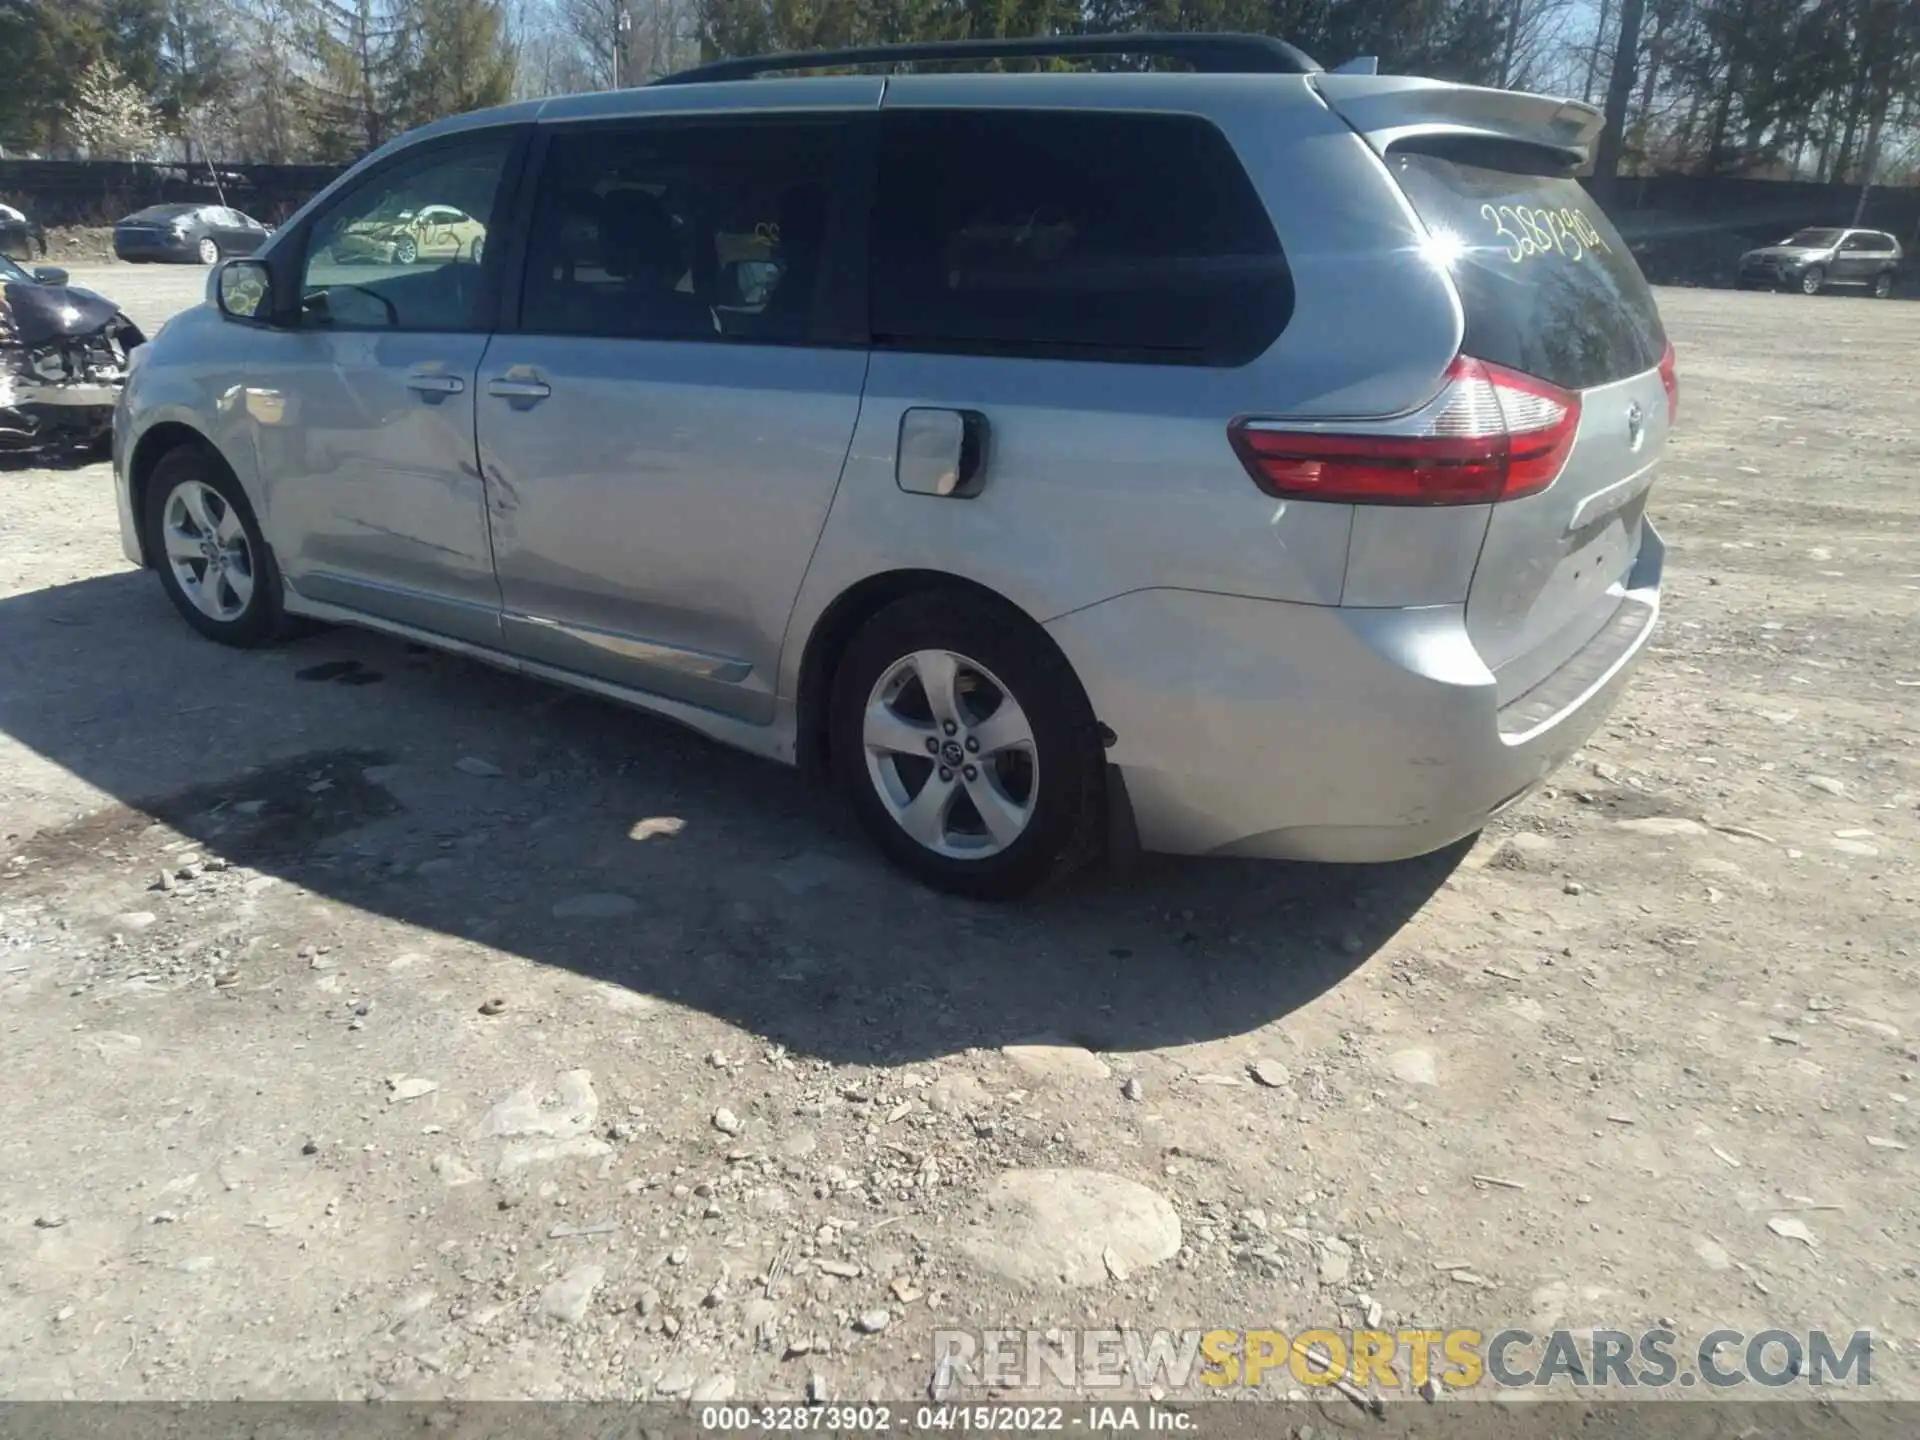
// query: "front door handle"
[[511, 389], [435, 382]]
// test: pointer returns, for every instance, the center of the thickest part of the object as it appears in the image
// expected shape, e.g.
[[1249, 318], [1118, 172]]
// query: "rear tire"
[[955, 699], [207, 548], [1811, 282]]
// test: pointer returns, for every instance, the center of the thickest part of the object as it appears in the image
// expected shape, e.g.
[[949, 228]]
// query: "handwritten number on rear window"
[[1516, 247], [1527, 232]]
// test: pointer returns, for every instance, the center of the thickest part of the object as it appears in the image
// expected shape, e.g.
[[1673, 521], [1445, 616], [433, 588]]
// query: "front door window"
[[373, 262]]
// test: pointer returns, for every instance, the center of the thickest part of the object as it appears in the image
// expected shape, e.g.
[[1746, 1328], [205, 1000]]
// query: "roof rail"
[[1207, 53]]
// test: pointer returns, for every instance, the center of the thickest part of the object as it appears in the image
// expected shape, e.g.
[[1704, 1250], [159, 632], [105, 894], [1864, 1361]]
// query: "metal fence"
[[98, 192]]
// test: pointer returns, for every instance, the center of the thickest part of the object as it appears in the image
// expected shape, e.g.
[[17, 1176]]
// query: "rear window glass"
[[1548, 286], [1072, 235]]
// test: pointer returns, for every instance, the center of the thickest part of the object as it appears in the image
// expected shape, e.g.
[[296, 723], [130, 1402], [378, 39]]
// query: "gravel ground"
[[379, 1025]]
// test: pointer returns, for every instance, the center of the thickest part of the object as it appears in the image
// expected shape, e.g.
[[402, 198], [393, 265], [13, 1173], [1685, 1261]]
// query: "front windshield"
[[1812, 239], [13, 273]]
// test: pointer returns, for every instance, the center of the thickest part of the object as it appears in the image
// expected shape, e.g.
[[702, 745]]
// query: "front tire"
[[209, 251], [1811, 282], [207, 547], [1883, 285], [407, 251], [966, 746]]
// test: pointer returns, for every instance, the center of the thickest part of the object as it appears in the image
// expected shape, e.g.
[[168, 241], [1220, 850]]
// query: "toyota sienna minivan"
[[1229, 458]]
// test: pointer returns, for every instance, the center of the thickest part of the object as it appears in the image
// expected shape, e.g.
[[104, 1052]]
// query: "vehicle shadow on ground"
[[345, 764]]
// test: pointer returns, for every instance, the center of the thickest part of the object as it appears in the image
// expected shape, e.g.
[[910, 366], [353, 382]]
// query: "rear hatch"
[[1547, 288]]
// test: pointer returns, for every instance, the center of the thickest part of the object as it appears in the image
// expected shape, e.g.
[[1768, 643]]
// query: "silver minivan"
[[1242, 459]]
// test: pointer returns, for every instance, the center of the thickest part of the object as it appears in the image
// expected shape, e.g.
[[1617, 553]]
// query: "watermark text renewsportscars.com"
[[1405, 1360]]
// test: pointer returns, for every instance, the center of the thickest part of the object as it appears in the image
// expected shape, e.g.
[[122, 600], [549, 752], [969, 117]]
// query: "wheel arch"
[[155, 444], [841, 620]]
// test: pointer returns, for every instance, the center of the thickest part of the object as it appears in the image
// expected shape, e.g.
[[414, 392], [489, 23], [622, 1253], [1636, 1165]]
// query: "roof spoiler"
[[1392, 109]]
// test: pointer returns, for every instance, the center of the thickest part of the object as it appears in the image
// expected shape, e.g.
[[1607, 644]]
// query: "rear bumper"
[[22, 239], [1259, 728]]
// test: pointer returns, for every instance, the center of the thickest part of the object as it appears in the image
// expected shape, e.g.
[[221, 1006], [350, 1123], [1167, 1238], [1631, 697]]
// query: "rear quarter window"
[[1072, 235], [1548, 286]]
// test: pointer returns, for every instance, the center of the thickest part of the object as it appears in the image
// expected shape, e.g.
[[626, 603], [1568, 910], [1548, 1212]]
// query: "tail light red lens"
[[1670, 377], [1490, 434]]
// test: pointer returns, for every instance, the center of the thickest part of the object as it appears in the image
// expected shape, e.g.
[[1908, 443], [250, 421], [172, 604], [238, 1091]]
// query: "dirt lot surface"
[[378, 1025]]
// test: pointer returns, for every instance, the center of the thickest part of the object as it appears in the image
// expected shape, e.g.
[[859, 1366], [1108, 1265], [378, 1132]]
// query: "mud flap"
[[1123, 834]]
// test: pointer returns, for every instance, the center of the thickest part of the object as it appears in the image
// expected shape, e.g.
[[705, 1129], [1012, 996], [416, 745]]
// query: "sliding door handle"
[[519, 389]]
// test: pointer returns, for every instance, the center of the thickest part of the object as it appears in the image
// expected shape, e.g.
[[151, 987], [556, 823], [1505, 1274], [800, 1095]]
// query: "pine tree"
[[458, 59], [352, 98], [196, 80]]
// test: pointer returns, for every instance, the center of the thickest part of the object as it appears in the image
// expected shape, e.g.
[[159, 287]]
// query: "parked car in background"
[[202, 234], [1812, 260], [19, 235], [408, 236], [64, 353], [967, 438]]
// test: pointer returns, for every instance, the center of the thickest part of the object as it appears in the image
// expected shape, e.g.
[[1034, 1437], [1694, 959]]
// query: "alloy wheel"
[[207, 551], [951, 754], [209, 252]]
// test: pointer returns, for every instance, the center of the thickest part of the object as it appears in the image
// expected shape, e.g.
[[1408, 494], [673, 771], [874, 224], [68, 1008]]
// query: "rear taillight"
[[1490, 434], [1670, 377]]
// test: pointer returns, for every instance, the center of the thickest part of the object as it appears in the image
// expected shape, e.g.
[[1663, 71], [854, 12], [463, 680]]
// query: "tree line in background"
[[280, 81], [1815, 89]]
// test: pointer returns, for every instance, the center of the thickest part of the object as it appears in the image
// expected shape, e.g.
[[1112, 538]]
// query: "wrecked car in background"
[[405, 237], [19, 235], [64, 353]]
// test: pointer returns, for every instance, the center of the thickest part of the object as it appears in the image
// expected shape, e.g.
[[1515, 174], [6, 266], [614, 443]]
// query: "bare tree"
[[1532, 31], [110, 118], [1626, 56], [628, 42]]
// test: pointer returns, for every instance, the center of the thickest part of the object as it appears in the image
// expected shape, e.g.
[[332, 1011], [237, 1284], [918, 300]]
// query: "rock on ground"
[[1057, 1227], [567, 1298], [1046, 1059], [566, 1109]]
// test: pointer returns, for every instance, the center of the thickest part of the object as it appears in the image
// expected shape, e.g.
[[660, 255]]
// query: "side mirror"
[[50, 275], [243, 289]]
